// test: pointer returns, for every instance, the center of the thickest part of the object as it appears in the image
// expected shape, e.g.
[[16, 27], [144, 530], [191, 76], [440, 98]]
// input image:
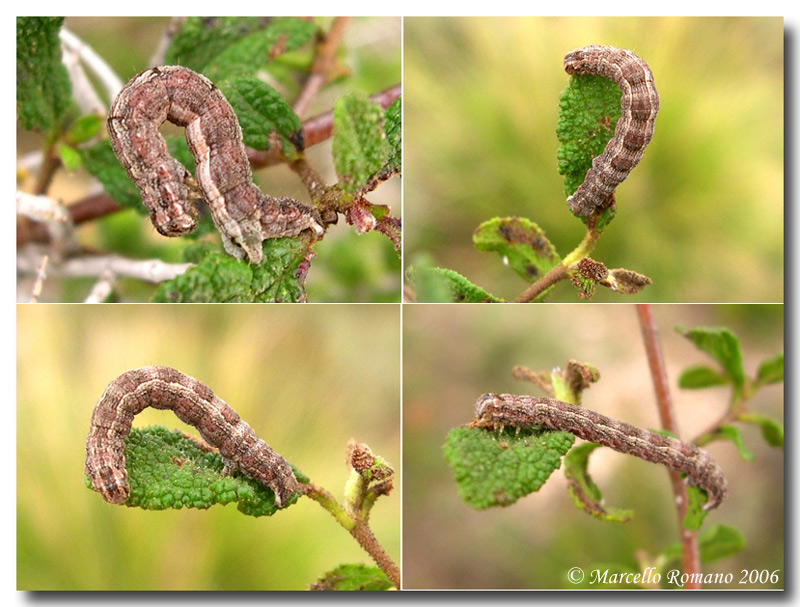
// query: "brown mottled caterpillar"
[[634, 129], [193, 403], [498, 410], [244, 216]]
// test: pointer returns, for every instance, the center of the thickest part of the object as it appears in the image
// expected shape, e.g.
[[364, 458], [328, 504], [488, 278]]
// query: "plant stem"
[[323, 60], [689, 543], [358, 528], [559, 272], [555, 274]]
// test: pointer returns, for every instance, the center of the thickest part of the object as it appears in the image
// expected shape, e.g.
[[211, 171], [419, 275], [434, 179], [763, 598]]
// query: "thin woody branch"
[[689, 541]]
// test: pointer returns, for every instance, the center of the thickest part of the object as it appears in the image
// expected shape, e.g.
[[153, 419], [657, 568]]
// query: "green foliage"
[[700, 376], [723, 346], [262, 112], [221, 278], [716, 543], [100, 161], [771, 430], [695, 515], [84, 128], [770, 371], [360, 144], [521, 243], [166, 469], [497, 469], [222, 47], [588, 112], [393, 125], [353, 577], [734, 434], [43, 87], [585, 493], [69, 156], [437, 285]]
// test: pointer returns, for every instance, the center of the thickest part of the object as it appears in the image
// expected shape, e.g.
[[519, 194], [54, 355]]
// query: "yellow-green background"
[[702, 215], [306, 378], [453, 354]]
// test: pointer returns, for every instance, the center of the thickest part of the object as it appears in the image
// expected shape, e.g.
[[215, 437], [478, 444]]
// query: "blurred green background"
[[702, 215], [348, 267], [453, 354], [306, 378]]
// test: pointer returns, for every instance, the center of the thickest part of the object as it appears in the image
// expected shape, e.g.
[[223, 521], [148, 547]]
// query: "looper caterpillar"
[[497, 410], [193, 403]]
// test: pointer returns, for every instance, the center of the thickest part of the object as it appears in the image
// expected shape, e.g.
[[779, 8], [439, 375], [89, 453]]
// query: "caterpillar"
[[193, 403], [634, 130], [244, 215], [497, 410]]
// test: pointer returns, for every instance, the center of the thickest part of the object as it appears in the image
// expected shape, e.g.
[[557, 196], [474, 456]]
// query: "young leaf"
[[734, 434], [588, 112], [69, 156], [701, 376], [771, 430], [443, 285], [722, 346], [166, 469], [716, 543], [520, 242], [262, 112], [695, 515], [353, 577], [585, 493], [496, 469], [770, 371], [84, 128], [43, 87], [360, 147]]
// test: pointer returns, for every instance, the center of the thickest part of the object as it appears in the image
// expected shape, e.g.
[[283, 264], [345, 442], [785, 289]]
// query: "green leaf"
[[394, 135], [166, 469], [520, 242], [701, 376], [585, 493], [43, 87], [771, 430], [695, 515], [437, 285], [723, 346], [716, 543], [497, 469], [353, 577], [100, 161], [770, 371], [588, 113], [221, 278], [223, 47], [262, 112], [69, 156], [84, 128], [734, 434], [360, 146]]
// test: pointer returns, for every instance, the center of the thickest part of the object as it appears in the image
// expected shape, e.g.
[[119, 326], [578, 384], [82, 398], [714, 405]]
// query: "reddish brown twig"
[[323, 61], [689, 543]]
